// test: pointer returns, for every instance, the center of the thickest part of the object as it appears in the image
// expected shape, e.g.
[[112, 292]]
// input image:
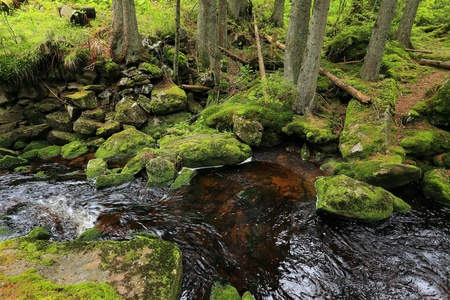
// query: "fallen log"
[[195, 87], [7, 5], [435, 63], [351, 62], [229, 53], [419, 51], [73, 15], [346, 87], [337, 81]]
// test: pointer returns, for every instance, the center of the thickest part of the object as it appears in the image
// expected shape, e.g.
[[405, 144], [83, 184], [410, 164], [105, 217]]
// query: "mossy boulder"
[[5, 142], [38, 144], [249, 131], [184, 178], [97, 114], [168, 100], [437, 108], [169, 53], [86, 126], [142, 268], [96, 167], [311, 130], [83, 99], [384, 171], [110, 180], [90, 235], [49, 152], [60, 120], [227, 292], [125, 143], [157, 126], [144, 103], [10, 162], [436, 185], [108, 128], [160, 172], [366, 131], [138, 163], [205, 150], [152, 70], [4, 151], [61, 138], [74, 149], [346, 197], [425, 140], [39, 233], [129, 112]]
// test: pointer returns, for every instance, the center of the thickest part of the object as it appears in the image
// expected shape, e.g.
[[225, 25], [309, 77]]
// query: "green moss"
[[247, 296], [315, 132], [138, 163], [39, 144], [74, 149], [160, 172], [39, 233], [184, 178], [104, 181], [49, 152], [153, 70], [10, 162], [182, 60], [227, 292], [346, 197], [125, 143], [5, 142], [168, 100], [425, 140], [92, 234], [158, 126], [96, 167], [436, 186], [21, 169]]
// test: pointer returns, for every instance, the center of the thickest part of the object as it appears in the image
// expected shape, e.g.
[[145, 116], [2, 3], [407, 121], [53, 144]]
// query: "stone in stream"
[[110, 180], [317, 132], [90, 235], [160, 172], [96, 167], [436, 186], [184, 178], [10, 162], [343, 196], [74, 149], [249, 131], [143, 268], [157, 126]]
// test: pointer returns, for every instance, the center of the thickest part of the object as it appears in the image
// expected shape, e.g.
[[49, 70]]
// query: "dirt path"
[[418, 90]]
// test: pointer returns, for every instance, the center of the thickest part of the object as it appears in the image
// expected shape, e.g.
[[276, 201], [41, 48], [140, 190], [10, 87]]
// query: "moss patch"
[[436, 186], [110, 180], [312, 130], [160, 172], [184, 178], [125, 143], [425, 140], [74, 149]]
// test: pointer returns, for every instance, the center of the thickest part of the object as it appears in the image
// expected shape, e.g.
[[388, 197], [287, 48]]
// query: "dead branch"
[[195, 87], [229, 53], [351, 62], [435, 63], [419, 51], [279, 45]]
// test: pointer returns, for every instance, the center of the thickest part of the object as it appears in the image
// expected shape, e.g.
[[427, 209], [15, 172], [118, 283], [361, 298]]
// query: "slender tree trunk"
[[234, 7], [223, 23], [207, 45], [278, 13], [245, 11], [296, 37], [125, 40], [378, 39], [177, 43], [407, 22], [307, 80]]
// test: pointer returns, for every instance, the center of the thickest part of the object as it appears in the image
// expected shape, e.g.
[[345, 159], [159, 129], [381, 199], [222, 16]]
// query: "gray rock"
[[86, 126], [60, 120], [130, 113], [249, 131], [11, 115], [83, 99], [61, 138]]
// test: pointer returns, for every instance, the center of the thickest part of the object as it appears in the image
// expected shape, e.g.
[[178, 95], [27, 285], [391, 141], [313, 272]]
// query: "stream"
[[252, 225]]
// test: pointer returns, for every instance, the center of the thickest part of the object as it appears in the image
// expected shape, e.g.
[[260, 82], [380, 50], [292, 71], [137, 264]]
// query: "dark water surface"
[[253, 225]]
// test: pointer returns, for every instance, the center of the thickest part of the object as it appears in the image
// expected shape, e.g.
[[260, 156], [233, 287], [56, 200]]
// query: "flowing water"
[[252, 225]]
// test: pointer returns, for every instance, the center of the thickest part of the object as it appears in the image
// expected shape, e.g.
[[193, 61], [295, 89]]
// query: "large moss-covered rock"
[[157, 126], [425, 140], [153, 71], [437, 108], [143, 268], [5, 142], [129, 112], [83, 99], [227, 292], [311, 130], [49, 152], [110, 180], [38, 144], [97, 114], [365, 133], [96, 167], [138, 163], [39, 233], [169, 53], [90, 235], [168, 100], [436, 185], [61, 138], [383, 171], [249, 131], [343, 196], [184, 178], [204, 150], [125, 143], [86, 126], [160, 172], [109, 128], [60, 120], [10, 162], [74, 149]]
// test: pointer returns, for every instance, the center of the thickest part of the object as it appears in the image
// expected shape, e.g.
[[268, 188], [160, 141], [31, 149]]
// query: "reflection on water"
[[255, 226]]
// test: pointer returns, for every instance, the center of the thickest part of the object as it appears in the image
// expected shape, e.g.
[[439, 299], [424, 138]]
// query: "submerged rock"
[[142, 268], [436, 185], [160, 172], [184, 178], [343, 196], [204, 150], [125, 143]]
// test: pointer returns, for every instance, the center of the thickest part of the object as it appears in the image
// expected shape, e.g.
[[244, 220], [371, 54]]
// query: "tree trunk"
[[177, 42], [234, 7], [278, 13], [246, 10], [223, 35], [378, 39], [125, 41], [407, 22], [296, 37], [207, 46], [307, 80]]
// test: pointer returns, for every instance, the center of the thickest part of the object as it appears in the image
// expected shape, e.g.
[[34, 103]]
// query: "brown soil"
[[418, 90]]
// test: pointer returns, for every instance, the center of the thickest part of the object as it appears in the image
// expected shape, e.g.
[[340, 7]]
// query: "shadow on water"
[[255, 226]]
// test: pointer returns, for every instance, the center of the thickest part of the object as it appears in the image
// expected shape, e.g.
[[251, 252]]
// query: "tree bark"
[[177, 42], [207, 45], [307, 80], [378, 39], [234, 7], [223, 35], [278, 13], [125, 41], [297, 35], [407, 22]]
